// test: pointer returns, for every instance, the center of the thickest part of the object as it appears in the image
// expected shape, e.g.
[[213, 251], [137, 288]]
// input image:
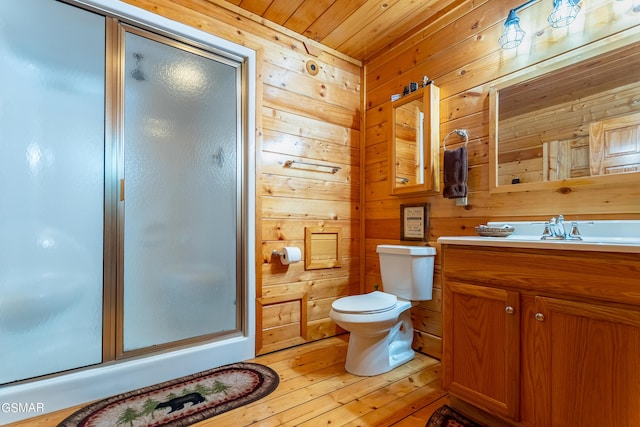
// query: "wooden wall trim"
[[363, 171]]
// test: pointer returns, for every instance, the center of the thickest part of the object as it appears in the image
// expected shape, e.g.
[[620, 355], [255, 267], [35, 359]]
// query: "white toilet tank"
[[407, 271]]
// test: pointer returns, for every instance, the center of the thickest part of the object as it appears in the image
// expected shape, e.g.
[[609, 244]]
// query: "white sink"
[[612, 240], [605, 231], [602, 236]]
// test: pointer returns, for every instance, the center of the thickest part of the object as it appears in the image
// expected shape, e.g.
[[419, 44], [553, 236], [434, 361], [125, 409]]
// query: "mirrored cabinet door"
[[414, 142]]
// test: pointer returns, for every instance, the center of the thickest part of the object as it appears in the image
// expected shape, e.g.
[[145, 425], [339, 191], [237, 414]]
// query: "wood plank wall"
[[304, 118], [460, 53], [317, 119]]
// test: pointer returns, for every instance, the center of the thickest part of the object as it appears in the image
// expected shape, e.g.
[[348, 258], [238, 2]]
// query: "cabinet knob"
[[509, 310], [539, 317]]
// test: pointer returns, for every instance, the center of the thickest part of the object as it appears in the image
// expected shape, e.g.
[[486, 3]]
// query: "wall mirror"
[[414, 141], [573, 120]]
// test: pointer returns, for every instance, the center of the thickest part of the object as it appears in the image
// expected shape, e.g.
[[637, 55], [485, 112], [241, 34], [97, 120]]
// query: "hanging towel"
[[455, 173]]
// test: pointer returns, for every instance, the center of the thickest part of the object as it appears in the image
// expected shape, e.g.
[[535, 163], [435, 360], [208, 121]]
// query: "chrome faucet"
[[554, 230], [559, 230]]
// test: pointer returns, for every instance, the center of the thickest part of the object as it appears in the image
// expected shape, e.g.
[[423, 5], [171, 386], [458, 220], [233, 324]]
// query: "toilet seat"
[[374, 302]]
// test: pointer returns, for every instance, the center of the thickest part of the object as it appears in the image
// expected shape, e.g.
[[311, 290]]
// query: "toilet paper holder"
[[288, 255]]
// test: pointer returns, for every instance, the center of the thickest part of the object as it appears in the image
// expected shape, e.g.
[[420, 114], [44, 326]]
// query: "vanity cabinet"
[[543, 337], [587, 363], [481, 351]]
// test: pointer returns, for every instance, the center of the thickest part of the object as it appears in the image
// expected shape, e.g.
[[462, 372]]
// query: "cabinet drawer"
[[600, 275]]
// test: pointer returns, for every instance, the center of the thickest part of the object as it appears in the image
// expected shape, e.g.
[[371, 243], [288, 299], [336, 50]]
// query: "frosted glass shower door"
[[52, 185], [182, 193]]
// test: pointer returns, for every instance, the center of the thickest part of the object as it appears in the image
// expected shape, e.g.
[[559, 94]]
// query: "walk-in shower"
[[126, 231]]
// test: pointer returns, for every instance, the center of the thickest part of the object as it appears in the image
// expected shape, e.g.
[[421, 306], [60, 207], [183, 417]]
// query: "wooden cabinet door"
[[481, 346], [587, 364]]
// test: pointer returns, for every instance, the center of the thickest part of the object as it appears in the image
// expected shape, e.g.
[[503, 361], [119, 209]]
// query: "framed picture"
[[414, 222]]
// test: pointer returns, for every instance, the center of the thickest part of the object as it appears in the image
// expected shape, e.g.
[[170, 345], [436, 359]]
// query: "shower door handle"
[[122, 190]]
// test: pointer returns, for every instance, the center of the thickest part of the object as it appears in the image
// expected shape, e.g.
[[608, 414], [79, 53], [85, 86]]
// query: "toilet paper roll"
[[290, 255]]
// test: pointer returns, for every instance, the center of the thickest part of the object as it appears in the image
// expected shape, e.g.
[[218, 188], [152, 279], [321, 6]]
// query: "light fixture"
[[513, 34], [564, 13]]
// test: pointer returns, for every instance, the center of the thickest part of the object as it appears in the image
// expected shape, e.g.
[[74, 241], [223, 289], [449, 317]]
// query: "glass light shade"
[[513, 34], [564, 13]]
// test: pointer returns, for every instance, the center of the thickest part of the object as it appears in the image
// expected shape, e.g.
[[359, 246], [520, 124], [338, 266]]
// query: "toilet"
[[380, 322]]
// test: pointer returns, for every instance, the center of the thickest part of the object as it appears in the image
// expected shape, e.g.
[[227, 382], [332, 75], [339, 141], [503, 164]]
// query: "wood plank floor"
[[315, 390]]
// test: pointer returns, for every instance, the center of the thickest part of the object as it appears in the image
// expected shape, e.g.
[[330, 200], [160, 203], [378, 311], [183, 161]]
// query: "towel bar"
[[289, 163]]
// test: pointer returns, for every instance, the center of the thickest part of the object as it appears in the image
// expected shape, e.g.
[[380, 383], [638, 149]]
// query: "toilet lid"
[[374, 302]]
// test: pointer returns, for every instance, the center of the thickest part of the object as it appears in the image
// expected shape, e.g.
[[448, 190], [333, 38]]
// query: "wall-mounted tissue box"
[[322, 247]]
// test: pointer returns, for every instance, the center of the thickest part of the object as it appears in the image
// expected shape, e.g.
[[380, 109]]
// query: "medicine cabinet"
[[414, 141]]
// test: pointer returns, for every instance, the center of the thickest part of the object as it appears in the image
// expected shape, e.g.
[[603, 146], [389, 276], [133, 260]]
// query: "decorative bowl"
[[486, 231]]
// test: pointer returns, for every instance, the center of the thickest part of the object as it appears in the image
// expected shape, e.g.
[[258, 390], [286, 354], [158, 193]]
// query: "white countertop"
[[616, 245]]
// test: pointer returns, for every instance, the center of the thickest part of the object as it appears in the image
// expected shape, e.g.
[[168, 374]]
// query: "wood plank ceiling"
[[356, 28]]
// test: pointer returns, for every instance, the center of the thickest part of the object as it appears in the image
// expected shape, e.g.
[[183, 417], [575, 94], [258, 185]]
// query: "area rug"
[[447, 417], [180, 402]]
